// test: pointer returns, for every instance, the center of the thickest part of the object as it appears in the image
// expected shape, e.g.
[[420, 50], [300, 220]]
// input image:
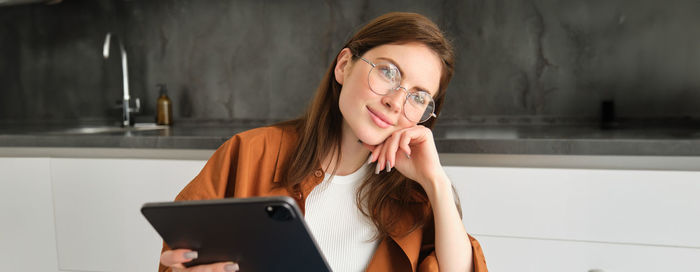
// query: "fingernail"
[[388, 167], [191, 255], [231, 267], [407, 156], [369, 160], [376, 169]]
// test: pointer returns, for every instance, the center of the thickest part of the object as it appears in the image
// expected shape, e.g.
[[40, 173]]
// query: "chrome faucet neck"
[[126, 109]]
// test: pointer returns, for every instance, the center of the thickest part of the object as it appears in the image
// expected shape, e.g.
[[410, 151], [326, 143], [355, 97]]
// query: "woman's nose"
[[395, 99]]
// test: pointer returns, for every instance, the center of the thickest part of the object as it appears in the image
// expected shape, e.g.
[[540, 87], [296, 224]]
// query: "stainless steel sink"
[[108, 129]]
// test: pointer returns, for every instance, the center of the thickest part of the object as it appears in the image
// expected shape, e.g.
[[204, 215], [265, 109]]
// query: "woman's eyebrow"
[[401, 71]]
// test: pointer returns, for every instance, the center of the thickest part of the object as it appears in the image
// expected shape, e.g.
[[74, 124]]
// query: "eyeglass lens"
[[385, 78]]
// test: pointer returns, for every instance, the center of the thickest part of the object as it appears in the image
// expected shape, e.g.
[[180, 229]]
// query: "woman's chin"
[[368, 134], [372, 139]]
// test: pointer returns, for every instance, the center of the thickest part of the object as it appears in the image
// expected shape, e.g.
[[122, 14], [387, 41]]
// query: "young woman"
[[361, 162]]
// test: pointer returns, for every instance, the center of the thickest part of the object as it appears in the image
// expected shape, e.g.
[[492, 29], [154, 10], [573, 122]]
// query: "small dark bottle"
[[164, 108]]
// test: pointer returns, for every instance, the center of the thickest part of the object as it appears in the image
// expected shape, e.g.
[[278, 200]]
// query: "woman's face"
[[372, 117]]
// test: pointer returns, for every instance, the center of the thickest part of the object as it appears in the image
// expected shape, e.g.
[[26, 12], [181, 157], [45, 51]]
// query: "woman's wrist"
[[438, 187]]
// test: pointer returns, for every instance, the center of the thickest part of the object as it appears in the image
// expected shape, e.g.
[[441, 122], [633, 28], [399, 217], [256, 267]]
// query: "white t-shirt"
[[340, 229]]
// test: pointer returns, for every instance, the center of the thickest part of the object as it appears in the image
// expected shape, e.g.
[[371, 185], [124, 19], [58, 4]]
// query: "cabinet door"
[[620, 206], [99, 226], [27, 239], [624, 220], [536, 255]]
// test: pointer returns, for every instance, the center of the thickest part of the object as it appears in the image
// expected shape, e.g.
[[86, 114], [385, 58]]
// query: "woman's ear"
[[342, 65]]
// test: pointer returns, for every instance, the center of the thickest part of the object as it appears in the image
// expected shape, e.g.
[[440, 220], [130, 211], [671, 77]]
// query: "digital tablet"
[[260, 234]]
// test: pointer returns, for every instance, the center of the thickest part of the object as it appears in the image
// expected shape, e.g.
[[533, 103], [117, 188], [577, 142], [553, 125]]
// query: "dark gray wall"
[[263, 59]]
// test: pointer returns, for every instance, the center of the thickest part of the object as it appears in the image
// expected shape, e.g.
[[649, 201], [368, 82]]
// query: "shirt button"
[[318, 173]]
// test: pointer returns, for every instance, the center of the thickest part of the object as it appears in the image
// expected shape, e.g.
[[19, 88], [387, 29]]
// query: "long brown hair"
[[388, 197]]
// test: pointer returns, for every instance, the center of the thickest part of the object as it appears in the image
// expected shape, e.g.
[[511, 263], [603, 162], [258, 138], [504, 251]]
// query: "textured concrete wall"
[[253, 59]]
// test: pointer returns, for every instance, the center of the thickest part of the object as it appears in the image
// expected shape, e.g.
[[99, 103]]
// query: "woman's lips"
[[378, 119]]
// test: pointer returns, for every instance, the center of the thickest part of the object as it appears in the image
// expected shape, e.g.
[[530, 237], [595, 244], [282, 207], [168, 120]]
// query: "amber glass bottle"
[[164, 108]]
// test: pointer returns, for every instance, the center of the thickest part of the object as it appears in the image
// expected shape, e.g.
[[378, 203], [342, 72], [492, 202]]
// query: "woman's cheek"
[[403, 123]]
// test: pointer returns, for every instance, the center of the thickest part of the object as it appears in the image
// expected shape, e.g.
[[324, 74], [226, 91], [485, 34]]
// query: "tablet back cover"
[[260, 234]]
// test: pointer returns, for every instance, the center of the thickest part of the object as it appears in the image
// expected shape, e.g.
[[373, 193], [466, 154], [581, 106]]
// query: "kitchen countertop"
[[450, 138]]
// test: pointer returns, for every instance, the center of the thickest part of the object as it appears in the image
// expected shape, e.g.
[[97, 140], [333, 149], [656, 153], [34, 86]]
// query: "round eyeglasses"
[[384, 78]]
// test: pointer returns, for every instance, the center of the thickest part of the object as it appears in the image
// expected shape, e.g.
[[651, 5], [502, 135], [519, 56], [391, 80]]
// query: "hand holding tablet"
[[256, 234], [175, 259]]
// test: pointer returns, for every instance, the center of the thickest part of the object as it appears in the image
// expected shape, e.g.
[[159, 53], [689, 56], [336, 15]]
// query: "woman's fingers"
[[400, 141], [216, 267], [381, 160], [403, 144], [177, 256], [385, 153], [373, 150], [392, 146], [375, 155]]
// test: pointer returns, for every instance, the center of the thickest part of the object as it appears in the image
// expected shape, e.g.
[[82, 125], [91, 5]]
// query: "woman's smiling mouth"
[[378, 119]]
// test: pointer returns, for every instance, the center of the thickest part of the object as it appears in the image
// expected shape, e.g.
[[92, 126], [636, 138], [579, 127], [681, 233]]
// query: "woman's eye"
[[388, 72], [419, 99]]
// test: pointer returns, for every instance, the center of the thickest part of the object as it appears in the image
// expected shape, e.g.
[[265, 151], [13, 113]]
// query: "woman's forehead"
[[420, 66]]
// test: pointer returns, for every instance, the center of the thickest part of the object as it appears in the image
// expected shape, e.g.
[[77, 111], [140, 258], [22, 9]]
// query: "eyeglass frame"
[[403, 109]]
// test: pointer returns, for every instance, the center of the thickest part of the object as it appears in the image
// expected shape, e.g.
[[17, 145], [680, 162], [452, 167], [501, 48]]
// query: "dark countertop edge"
[[110, 141], [619, 147], [548, 161], [613, 147], [106, 153]]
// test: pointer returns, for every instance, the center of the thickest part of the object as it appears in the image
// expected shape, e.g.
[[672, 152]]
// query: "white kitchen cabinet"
[[99, 226], [82, 214], [519, 254], [535, 219], [27, 238]]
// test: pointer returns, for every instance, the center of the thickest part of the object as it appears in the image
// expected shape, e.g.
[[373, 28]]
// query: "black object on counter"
[[607, 115]]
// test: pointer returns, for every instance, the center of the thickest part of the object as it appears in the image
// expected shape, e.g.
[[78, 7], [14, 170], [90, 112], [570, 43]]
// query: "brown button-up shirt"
[[249, 165]]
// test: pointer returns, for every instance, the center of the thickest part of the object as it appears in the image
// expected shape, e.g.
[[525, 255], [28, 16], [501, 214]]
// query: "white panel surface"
[[532, 255], [623, 206], [99, 225], [27, 238]]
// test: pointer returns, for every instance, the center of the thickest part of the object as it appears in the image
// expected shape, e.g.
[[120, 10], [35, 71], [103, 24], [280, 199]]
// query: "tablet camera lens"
[[279, 213]]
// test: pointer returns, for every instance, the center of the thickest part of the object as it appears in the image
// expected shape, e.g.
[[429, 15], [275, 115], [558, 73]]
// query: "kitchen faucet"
[[126, 109]]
